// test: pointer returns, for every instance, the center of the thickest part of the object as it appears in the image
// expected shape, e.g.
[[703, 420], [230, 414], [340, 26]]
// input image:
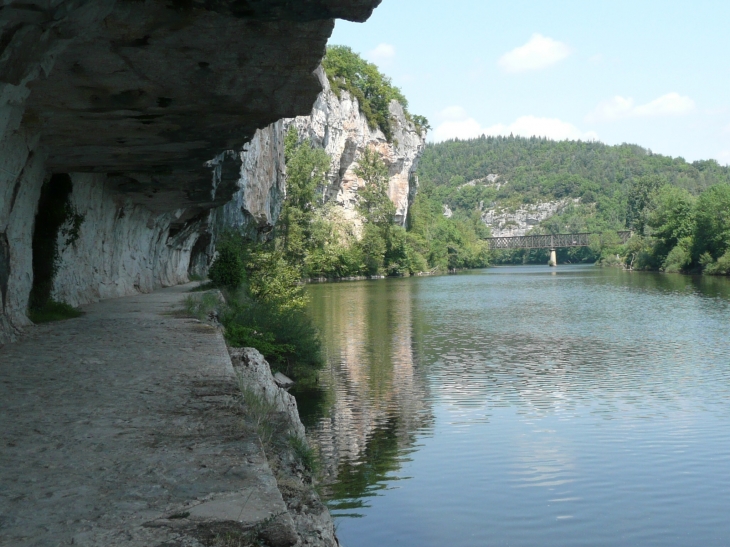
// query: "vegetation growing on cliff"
[[314, 236], [347, 71]]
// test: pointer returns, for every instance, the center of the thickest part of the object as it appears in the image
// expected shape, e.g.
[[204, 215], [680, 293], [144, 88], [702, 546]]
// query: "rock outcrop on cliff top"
[[337, 125], [132, 100]]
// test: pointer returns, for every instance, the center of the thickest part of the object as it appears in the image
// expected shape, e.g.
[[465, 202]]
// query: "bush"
[[275, 281], [719, 267], [287, 339], [680, 257], [227, 270]]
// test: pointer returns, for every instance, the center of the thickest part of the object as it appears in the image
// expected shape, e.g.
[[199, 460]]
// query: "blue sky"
[[653, 73]]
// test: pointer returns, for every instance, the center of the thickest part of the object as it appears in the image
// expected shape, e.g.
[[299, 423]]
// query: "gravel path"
[[113, 422]]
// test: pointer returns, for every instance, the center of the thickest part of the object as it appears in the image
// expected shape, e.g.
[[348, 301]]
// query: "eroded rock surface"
[[337, 125], [145, 94], [505, 222]]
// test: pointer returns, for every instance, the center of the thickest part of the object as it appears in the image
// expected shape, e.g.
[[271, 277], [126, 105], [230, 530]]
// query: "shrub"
[[227, 270], [719, 267], [680, 257], [287, 339]]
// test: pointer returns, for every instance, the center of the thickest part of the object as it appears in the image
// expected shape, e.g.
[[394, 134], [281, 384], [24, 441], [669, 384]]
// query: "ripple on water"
[[516, 407]]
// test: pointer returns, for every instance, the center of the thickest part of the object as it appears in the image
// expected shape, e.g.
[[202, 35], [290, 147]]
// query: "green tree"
[[372, 245], [671, 220], [639, 198], [712, 223], [374, 203], [307, 169]]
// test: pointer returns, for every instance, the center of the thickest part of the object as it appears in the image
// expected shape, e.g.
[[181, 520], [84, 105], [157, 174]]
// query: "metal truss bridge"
[[552, 241]]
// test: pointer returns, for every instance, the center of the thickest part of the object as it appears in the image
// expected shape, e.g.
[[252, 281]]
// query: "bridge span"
[[548, 241]]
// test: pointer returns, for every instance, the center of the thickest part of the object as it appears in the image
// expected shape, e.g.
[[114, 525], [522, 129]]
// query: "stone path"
[[116, 421]]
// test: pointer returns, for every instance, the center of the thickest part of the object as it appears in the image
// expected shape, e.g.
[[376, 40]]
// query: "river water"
[[525, 406]]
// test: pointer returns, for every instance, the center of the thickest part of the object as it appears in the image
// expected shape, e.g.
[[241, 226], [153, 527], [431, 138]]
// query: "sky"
[[653, 73]]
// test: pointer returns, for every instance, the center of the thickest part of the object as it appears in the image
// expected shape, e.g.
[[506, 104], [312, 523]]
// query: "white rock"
[[337, 125], [255, 374], [283, 381]]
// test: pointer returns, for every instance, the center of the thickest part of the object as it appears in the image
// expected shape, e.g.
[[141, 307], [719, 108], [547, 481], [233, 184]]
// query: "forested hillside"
[[611, 188], [535, 169]]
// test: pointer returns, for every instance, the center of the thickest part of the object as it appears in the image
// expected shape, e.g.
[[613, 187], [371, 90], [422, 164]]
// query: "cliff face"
[[517, 222], [337, 125], [261, 184], [133, 100]]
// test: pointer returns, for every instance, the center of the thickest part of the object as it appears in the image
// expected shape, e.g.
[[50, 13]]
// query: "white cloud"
[[671, 104], [383, 54], [538, 53], [456, 124], [612, 109]]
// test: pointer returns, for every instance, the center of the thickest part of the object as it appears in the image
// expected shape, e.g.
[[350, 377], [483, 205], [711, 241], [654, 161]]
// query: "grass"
[[53, 311], [202, 306], [305, 454], [260, 413], [231, 534]]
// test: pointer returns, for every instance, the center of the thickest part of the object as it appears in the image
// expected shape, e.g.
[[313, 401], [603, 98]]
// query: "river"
[[525, 406]]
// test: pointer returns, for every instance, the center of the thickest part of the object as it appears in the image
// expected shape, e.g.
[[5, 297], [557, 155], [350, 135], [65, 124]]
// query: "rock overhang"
[[150, 90]]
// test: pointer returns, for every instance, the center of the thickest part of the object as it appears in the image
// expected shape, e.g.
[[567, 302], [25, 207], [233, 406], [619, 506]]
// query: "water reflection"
[[374, 398], [537, 407]]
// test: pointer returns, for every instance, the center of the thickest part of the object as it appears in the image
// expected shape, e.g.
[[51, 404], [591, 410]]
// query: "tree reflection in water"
[[373, 397]]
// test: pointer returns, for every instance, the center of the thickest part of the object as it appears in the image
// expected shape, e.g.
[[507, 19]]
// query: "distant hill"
[[460, 174]]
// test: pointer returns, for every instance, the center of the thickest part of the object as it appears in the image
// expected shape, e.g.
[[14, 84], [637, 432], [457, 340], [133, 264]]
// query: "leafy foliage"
[[307, 169], [347, 71], [286, 338], [374, 205], [264, 307], [533, 170], [227, 269], [712, 222]]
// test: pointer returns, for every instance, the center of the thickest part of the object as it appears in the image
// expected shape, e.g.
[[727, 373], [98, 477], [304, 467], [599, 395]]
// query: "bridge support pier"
[[553, 258]]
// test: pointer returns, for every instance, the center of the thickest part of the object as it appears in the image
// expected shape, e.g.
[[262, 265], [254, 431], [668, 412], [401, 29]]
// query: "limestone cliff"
[[517, 222], [133, 100], [337, 125]]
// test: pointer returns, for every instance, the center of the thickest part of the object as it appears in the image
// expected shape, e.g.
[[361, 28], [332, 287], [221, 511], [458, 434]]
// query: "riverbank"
[[126, 426]]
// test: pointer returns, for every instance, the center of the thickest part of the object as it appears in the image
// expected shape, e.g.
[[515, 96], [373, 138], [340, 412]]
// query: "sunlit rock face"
[[505, 222], [143, 94], [261, 183], [337, 125]]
